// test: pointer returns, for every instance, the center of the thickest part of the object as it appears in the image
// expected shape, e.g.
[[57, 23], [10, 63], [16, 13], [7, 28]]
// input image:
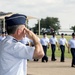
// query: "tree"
[[73, 28], [48, 22]]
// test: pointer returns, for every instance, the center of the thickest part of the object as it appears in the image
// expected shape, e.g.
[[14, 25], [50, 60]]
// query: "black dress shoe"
[[73, 66], [36, 60], [53, 59], [43, 61], [46, 60], [62, 61]]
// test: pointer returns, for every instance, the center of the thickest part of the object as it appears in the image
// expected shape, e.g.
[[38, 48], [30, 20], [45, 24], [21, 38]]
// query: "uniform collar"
[[10, 37]]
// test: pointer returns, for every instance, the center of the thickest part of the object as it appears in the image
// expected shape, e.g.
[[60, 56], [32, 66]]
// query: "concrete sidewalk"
[[51, 68]]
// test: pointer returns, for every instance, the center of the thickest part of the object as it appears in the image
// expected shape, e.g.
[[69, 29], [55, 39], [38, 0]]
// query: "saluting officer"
[[13, 54], [45, 43], [72, 47], [62, 42], [53, 41]]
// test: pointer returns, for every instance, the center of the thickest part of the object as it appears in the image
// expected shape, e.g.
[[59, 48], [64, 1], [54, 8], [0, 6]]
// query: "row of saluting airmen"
[[46, 42]]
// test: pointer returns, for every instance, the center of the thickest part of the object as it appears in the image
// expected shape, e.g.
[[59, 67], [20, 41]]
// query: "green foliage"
[[73, 28], [47, 23]]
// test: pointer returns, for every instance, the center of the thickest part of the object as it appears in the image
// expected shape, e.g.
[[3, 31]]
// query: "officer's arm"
[[48, 44], [67, 44], [68, 48], [38, 52], [57, 44]]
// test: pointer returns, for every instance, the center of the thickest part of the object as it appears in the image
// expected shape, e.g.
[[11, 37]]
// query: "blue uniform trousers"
[[45, 52], [62, 47], [53, 48], [45, 49], [73, 56]]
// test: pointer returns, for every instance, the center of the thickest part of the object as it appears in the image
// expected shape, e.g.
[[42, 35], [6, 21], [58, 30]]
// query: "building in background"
[[65, 31], [2, 20]]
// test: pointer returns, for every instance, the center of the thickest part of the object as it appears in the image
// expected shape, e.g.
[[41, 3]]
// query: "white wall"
[[66, 32]]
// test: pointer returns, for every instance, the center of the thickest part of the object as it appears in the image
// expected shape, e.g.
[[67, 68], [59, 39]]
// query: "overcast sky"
[[62, 9]]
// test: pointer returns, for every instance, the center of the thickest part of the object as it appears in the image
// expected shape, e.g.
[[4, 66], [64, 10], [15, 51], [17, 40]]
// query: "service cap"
[[15, 19]]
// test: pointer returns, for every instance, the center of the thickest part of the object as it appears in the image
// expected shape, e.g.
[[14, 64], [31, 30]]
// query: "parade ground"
[[51, 67]]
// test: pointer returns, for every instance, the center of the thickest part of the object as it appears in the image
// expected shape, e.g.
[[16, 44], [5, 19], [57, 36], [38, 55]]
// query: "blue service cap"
[[62, 33], [73, 34], [44, 33], [15, 19], [3, 32]]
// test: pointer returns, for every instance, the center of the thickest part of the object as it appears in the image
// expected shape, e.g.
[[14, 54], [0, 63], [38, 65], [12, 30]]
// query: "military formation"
[[51, 42], [19, 45]]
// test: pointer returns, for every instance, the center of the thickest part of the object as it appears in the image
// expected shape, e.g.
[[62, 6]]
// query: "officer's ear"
[[18, 31]]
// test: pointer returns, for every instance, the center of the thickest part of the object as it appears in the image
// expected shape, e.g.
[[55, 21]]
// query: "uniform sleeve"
[[66, 41], [21, 51], [50, 40]]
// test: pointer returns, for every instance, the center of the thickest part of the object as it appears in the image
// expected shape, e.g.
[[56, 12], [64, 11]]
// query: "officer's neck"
[[16, 37]]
